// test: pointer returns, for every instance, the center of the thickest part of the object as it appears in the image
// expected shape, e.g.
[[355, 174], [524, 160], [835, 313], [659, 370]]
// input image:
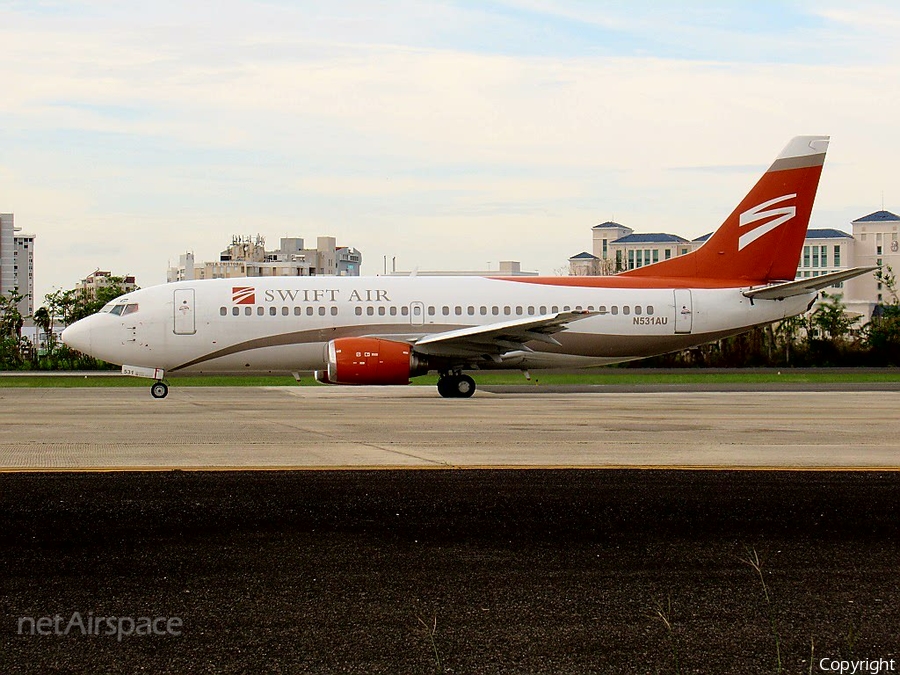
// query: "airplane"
[[385, 330]]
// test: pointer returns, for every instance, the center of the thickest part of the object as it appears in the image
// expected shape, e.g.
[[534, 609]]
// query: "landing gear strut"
[[159, 390], [455, 385]]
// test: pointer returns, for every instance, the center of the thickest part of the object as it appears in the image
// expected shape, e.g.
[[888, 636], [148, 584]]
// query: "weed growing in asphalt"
[[430, 631], [664, 614], [753, 560], [852, 635]]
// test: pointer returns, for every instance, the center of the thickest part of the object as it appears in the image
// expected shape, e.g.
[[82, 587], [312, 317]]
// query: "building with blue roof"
[[873, 241]]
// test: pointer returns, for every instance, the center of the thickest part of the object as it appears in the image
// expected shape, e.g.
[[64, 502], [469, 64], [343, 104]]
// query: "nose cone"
[[78, 336]]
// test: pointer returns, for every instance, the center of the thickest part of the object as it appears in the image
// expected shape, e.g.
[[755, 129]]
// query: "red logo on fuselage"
[[243, 295]]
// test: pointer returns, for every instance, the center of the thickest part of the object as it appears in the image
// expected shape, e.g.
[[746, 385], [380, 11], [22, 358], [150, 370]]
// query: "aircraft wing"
[[494, 339], [789, 289]]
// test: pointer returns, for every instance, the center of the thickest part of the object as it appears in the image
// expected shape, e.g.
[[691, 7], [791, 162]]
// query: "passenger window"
[[359, 311], [602, 309], [381, 311], [223, 311], [519, 310], [248, 311], [566, 308], [626, 310], [495, 310], [273, 311], [614, 310], [393, 311], [309, 311], [543, 309], [470, 310], [506, 310], [260, 311], [321, 311], [430, 310], [297, 311], [554, 309], [637, 309], [334, 311], [458, 310], [530, 310], [235, 311], [370, 311], [404, 310], [649, 310], [445, 310], [483, 310], [284, 311]]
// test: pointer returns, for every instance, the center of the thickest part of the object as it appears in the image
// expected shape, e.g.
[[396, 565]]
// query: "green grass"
[[609, 376]]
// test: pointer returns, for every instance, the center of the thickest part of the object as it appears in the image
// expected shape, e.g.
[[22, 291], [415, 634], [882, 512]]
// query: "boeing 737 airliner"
[[384, 330]]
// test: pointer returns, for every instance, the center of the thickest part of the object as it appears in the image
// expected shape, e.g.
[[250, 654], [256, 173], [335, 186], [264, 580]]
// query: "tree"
[[882, 333], [13, 347], [832, 319]]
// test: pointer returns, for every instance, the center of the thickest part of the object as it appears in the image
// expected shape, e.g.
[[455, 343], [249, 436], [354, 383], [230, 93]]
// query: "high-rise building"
[[16, 263]]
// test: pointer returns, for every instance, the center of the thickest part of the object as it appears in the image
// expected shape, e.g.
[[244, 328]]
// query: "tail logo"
[[779, 216], [243, 295]]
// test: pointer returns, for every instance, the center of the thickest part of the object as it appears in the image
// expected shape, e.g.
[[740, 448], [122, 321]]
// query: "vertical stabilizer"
[[762, 239]]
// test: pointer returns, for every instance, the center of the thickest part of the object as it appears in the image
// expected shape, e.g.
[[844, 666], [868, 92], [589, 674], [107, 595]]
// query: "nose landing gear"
[[159, 390], [455, 385]]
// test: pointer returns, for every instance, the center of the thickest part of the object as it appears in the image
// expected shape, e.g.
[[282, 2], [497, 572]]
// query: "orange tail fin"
[[762, 239]]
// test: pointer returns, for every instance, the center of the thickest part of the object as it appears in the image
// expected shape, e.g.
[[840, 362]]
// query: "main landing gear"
[[159, 390], [455, 385]]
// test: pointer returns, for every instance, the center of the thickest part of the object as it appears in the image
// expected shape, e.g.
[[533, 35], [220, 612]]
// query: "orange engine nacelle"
[[370, 361]]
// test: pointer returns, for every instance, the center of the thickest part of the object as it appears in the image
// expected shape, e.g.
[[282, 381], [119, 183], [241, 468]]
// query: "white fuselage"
[[284, 323]]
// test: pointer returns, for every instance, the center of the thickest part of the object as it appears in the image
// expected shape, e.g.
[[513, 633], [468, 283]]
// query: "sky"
[[445, 134]]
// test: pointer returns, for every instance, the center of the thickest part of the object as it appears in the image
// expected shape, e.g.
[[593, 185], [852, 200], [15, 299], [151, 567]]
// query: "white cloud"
[[162, 133]]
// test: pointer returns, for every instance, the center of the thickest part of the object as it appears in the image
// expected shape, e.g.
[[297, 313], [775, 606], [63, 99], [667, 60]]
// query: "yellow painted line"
[[449, 467]]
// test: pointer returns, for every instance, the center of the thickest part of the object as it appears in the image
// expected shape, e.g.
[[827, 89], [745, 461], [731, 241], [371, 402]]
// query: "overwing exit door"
[[417, 313]]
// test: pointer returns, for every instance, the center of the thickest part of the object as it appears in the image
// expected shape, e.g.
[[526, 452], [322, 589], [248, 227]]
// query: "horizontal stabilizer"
[[789, 289]]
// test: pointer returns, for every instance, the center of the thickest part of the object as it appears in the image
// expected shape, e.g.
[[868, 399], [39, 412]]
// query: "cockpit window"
[[121, 309], [107, 308]]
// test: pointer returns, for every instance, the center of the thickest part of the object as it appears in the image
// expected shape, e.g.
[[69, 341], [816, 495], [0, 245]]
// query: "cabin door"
[[684, 316], [185, 313]]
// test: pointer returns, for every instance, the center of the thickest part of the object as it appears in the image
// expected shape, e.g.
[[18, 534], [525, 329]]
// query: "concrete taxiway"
[[318, 427]]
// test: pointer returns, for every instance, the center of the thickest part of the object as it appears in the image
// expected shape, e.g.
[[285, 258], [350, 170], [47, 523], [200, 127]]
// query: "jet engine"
[[370, 361]]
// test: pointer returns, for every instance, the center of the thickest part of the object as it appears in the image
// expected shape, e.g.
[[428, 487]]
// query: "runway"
[[358, 428]]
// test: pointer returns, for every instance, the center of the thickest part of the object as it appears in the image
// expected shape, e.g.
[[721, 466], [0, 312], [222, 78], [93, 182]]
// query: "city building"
[[247, 257], [586, 264], [507, 268], [873, 242], [617, 249], [93, 282], [17, 263]]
